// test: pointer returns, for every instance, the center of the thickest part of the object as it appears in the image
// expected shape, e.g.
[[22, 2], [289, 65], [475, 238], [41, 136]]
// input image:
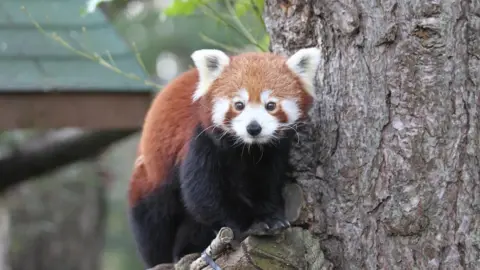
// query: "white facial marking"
[[220, 109], [243, 94], [291, 109], [304, 64], [255, 112], [210, 64], [264, 96]]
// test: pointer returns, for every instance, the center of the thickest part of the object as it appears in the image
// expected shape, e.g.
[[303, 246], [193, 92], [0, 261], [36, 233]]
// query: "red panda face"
[[256, 96]]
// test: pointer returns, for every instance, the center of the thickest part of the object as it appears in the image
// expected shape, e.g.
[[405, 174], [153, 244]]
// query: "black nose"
[[254, 128]]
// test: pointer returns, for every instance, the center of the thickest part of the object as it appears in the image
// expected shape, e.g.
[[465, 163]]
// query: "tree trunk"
[[390, 161]]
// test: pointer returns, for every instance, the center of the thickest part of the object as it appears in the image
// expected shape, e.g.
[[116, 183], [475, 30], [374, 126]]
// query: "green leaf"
[[265, 42], [250, 6], [260, 4], [245, 7], [242, 6], [183, 7]]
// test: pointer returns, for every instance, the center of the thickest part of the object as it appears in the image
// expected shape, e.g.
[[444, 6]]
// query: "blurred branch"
[[52, 150], [219, 44]]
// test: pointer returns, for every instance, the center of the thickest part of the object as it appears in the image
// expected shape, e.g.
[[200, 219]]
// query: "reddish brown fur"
[[257, 72], [170, 122], [168, 125], [281, 116], [230, 115]]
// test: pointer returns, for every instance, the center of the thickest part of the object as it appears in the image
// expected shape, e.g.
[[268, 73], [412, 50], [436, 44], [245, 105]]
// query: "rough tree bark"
[[390, 161]]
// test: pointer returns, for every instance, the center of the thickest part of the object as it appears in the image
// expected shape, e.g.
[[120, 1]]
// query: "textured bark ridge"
[[390, 161]]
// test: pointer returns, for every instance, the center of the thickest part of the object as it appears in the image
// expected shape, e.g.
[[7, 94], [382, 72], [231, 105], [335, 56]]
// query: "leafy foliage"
[[231, 17], [188, 7], [265, 42], [243, 6], [184, 7]]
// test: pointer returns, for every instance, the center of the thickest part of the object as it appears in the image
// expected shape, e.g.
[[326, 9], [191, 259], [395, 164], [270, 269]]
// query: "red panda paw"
[[268, 226]]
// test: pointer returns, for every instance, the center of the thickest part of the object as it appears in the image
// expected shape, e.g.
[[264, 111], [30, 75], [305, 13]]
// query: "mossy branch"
[[294, 248]]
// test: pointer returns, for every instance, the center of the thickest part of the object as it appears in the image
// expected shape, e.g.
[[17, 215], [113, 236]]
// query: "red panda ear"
[[304, 64], [210, 64]]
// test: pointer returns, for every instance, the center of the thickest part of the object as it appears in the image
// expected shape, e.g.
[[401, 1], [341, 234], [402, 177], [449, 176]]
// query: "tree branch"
[[294, 248], [52, 150]]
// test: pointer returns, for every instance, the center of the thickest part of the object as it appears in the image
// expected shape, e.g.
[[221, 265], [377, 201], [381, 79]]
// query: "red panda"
[[214, 151]]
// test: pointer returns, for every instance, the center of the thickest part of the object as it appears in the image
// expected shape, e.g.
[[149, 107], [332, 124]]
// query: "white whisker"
[[261, 149], [292, 128], [214, 126]]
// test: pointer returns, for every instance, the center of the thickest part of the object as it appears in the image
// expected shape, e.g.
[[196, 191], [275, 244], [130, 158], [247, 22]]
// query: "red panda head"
[[255, 96]]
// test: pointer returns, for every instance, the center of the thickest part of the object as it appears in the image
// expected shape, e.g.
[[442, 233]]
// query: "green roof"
[[31, 61]]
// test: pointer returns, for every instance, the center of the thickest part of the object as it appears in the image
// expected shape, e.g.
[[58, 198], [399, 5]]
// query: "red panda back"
[[168, 126]]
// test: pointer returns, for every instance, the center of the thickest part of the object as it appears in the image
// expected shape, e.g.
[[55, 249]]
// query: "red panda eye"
[[239, 106], [270, 106]]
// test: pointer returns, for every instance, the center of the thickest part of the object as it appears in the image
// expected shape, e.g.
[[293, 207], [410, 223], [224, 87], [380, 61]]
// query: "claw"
[[279, 225], [265, 226], [269, 226], [258, 228]]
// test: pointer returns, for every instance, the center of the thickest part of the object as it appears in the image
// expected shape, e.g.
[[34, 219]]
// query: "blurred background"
[[76, 78]]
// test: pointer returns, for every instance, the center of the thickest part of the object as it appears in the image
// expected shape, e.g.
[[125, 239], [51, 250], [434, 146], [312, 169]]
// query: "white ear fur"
[[210, 64], [304, 63]]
